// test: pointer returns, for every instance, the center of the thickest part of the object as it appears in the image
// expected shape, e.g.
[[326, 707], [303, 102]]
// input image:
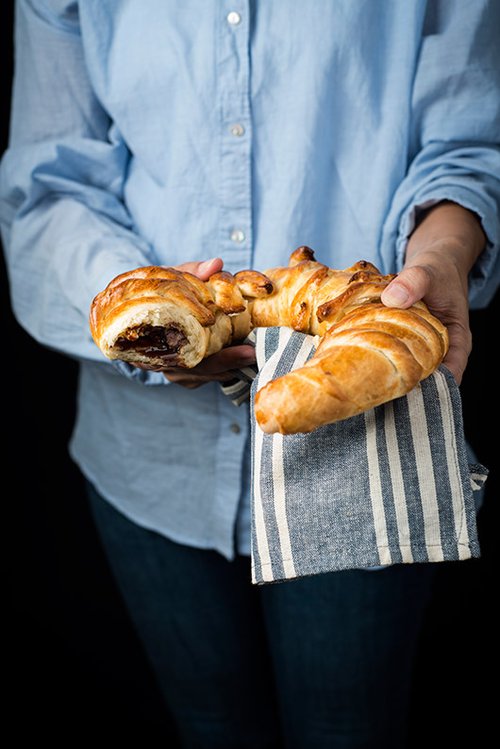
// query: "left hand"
[[440, 254], [219, 367]]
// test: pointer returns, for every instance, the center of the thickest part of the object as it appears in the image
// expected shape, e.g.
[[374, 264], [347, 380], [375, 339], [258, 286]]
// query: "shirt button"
[[235, 428], [237, 130], [237, 236], [233, 18]]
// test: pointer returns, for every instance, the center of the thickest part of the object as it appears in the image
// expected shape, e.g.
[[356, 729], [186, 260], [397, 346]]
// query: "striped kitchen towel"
[[392, 485]]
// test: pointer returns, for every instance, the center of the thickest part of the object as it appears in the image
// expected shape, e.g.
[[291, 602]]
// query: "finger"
[[216, 367], [409, 286], [455, 363], [180, 377], [458, 351], [147, 367], [233, 357], [191, 382], [203, 269]]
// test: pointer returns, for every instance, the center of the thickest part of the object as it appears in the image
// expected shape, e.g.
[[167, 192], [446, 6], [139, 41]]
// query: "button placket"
[[237, 130], [235, 177], [238, 236], [233, 18]]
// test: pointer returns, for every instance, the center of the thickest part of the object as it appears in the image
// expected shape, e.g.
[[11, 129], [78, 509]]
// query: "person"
[[209, 134]]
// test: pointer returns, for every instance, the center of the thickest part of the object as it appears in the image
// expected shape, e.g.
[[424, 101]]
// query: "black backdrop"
[[74, 665]]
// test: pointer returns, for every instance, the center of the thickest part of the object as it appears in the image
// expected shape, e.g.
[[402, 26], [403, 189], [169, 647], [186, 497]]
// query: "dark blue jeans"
[[324, 661]]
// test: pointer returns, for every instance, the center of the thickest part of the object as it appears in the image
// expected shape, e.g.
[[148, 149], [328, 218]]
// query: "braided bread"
[[368, 354]]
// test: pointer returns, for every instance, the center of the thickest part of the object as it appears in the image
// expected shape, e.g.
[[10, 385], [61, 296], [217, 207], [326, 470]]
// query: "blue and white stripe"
[[389, 486]]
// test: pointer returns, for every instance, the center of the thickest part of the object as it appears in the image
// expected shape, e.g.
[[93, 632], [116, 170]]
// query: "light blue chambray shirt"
[[157, 131]]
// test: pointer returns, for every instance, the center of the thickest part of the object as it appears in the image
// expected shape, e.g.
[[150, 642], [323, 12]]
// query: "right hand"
[[440, 254], [220, 366]]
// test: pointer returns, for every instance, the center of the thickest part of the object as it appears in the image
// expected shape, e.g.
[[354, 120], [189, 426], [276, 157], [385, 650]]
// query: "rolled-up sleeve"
[[65, 229], [455, 130]]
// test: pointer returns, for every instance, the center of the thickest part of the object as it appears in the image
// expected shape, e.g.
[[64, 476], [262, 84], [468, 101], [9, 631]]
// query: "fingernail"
[[205, 265], [395, 296]]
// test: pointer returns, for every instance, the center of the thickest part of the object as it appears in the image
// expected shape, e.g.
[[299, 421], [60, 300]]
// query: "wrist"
[[446, 232]]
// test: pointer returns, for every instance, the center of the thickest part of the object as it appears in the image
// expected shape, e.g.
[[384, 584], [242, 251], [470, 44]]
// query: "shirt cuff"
[[484, 275]]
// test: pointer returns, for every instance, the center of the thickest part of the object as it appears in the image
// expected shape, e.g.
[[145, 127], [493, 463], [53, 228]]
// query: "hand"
[[440, 254], [218, 367], [435, 278]]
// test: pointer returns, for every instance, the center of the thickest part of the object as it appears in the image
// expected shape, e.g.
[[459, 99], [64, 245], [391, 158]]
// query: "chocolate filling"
[[152, 340]]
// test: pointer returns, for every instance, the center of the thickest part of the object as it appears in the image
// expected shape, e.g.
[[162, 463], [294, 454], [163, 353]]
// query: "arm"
[[65, 228], [447, 208], [439, 257]]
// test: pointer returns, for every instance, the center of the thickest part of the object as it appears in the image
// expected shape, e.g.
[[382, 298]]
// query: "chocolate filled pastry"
[[167, 317], [368, 354]]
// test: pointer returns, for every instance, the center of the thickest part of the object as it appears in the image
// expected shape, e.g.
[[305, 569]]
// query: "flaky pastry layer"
[[368, 353]]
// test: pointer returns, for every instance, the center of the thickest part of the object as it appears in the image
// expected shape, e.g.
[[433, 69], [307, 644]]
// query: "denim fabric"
[[315, 663]]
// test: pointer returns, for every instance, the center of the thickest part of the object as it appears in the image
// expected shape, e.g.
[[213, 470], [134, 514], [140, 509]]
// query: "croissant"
[[367, 355]]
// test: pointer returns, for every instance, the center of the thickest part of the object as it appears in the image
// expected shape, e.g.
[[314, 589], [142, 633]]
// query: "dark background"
[[74, 666]]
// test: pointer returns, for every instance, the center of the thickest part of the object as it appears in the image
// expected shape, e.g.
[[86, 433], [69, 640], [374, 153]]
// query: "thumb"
[[202, 269], [409, 286]]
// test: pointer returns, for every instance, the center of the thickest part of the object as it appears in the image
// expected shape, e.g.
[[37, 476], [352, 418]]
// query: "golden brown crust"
[[368, 353], [227, 293], [134, 290], [331, 388], [300, 254], [253, 284]]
